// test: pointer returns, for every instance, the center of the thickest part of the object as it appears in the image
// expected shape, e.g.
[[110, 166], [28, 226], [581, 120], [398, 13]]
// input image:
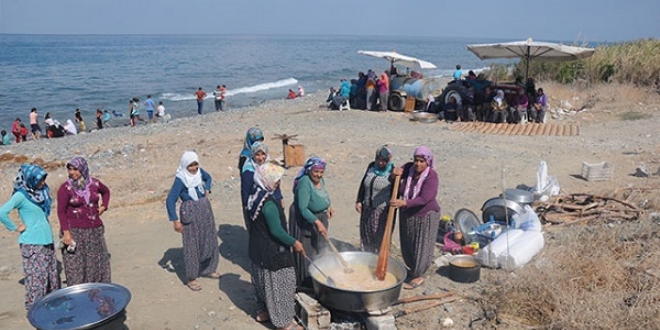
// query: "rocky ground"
[[619, 125]]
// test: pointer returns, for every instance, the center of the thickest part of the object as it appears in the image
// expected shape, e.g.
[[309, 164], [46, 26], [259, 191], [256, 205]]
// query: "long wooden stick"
[[425, 307], [423, 297], [384, 252]]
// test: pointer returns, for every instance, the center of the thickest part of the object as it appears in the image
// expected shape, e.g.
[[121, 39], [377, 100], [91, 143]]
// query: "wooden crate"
[[294, 155], [602, 171], [410, 104]]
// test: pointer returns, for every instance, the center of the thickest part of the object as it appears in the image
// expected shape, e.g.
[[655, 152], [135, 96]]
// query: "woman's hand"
[[358, 207], [320, 227], [178, 227], [331, 212], [398, 203], [298, 248], [66, 238], [20, 228], [397, 171], [102, 209]]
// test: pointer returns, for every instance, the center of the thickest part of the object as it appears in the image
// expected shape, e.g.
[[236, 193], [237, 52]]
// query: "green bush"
[[636, 62]]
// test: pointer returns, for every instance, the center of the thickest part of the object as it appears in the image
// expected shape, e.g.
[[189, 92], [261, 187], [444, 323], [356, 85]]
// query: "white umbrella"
[[396, 58], [530, 49]]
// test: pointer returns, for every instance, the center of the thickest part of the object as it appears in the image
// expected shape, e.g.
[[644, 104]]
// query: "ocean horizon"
[[59, 73]]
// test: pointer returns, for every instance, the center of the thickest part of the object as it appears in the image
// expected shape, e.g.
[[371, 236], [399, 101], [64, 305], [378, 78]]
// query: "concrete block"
[[383, 322], [310, 312]]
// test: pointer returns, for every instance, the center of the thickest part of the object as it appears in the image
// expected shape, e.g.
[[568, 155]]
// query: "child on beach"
[[16, 129], [99, 119], [106, 118], [24, 132], [5, 138], [80, 121], [133, 109]]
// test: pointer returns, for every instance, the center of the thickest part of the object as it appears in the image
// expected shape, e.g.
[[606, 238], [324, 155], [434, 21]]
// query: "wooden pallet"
[[530, 129]]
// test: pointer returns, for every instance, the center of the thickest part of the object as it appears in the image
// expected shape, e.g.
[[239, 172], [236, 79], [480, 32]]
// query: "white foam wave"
[[230, 92]]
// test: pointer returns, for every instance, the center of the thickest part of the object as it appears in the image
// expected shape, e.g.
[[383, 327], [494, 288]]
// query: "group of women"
[[279, 250], [81, 200]]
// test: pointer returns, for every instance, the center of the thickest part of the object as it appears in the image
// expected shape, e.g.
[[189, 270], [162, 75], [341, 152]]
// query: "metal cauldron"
[[98, 306], [356, 301]]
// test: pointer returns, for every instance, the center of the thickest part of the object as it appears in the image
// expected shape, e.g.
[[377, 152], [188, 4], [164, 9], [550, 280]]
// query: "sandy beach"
[[138, 165]]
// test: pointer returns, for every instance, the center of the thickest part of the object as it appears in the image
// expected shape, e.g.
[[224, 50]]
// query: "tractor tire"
[[456, 90], [397, 102]]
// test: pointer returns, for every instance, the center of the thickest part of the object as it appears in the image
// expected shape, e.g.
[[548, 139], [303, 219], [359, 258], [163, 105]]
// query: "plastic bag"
[[546, 186], [527, 220]]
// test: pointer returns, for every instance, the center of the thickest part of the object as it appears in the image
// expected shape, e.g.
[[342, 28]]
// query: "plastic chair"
[[345, 106]]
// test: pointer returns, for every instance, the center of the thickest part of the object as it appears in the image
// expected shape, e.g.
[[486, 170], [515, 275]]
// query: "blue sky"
[[558, 20]]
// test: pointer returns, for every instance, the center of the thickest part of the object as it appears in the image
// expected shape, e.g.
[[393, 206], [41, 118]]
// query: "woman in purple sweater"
[[85, 257], [419, 214]]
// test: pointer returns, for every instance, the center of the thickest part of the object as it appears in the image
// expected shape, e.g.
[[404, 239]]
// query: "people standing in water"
[[81, 200], [195, 222], [309, 215], [419, 214], [200, 95], [373, 199], [273, 274], [31, 197], [79, 119]]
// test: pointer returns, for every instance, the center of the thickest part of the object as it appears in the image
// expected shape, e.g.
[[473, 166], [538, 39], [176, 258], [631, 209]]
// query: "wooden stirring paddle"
[[384, 252]]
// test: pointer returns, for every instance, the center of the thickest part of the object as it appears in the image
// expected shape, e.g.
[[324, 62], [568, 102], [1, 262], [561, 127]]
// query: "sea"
[[59, 73]]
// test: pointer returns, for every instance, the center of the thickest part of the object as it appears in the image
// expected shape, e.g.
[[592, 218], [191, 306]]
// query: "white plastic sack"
[[527, 220], [511, 252], [546, 186]]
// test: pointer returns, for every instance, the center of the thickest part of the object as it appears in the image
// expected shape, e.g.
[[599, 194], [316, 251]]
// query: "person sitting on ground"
[[6, 140], [24, 132], [53, 127], [530, 89], [301, 91], [451, 110], [160, 112], [106, 118], [291, 95], [485, 112], [471, 75], [539, 107], [99, 119], [328, 101], [519, 108], [499, 108], [466, 111], [117, 113], [70, 128]]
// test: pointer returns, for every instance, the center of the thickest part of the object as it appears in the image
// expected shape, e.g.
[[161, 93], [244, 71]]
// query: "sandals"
[[193, 285], [213, 275], [414, 283]]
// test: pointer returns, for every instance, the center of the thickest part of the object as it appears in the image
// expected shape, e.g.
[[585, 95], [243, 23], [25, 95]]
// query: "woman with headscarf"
[[195, 222], [383, 90], [81, 200], [273, 274], [31, 197], [253, 135], [419, 214], [373, 199], [259, 156], [499, 107], [309, 214]]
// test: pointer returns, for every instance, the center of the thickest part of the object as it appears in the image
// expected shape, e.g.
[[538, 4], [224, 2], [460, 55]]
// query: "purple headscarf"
[[427, 154], [313, 163], [80, 186]]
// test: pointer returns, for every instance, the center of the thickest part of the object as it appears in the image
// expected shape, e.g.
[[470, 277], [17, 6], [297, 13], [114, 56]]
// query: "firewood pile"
[[589, 208]]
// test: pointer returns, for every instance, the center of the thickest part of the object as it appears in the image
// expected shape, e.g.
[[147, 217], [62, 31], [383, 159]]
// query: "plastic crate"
[[602, 171]]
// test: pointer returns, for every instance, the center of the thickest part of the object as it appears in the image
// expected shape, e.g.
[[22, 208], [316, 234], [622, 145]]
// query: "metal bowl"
[[500, 209], [519, 196], [424, 117], [82, 306], [351, 300], [464, 268]]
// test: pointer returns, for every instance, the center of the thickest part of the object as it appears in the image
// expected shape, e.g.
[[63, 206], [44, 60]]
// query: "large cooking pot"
[[500, 209], [519, 196], [99, 306], [356, 301]]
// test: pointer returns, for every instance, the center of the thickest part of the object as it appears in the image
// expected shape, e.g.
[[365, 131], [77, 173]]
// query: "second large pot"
[[356, 301]]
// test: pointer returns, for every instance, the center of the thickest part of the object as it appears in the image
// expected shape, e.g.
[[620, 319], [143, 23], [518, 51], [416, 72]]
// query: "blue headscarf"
[[312, 163], [386, 154], [253, 135], [26, 182], [249, 165]]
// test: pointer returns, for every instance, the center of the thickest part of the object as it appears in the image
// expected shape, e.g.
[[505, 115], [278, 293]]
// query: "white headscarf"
[[499, 97], [192, 181]]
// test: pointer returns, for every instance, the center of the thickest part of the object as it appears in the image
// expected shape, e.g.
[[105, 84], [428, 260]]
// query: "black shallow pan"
[[464, 268]]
